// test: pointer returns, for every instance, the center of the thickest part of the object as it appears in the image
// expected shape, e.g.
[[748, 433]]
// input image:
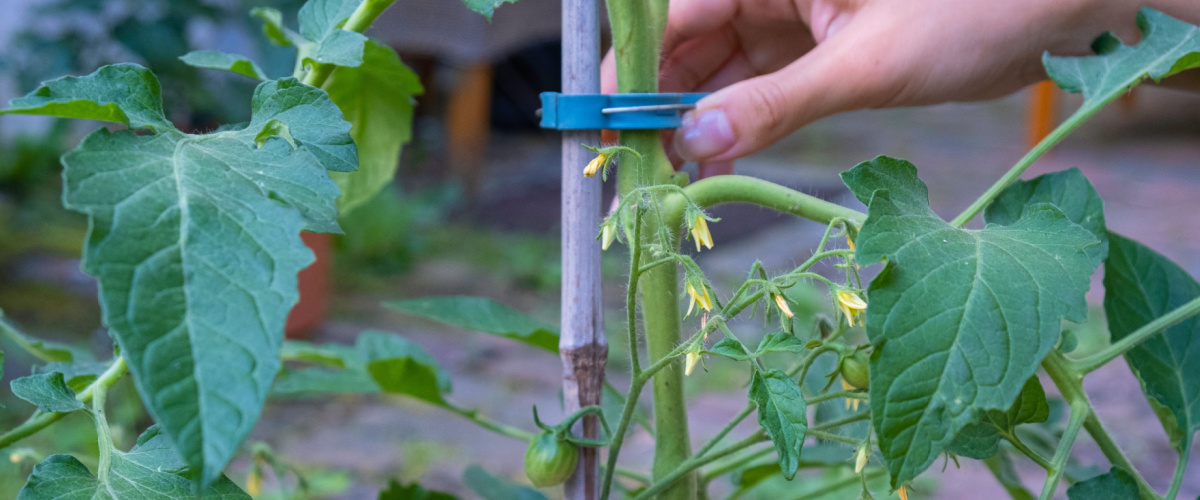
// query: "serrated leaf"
[[377, 99], [151, 470], [488, 487], [1115, 485], [731, 349], [782, 413], [486, 7], [1067, 190], [272, 26], [48, 391], [402, 367], [1139, 286], [960, 319], [1167, 46], [321, 22], [213, 59], [414, 491], [981, 440], [481, 314], [120, 93], [195, 242], [780, 342]]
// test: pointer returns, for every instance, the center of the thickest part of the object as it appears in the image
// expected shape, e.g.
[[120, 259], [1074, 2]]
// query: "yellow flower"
[[700, 298], [850, 242], [782, 304], [852, 306], [851, 403], [903, 492], [700, 233], [595, 165], [254, 482], [693, 359], [861, 457], [608, 234]]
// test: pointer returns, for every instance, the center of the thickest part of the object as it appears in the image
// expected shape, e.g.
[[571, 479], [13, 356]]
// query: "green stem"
[[638, 417], [1177, 480], [733, 465], [103, 434], [1025, 450], [1120, 347], [739, 188], [358, 22], [40, 420], [22, 340], [687, 466], [1014, 489], [1080, 409], [1013, 173], [829, 488], [833, 424], [487, 423], [835, 395], [829, 436]]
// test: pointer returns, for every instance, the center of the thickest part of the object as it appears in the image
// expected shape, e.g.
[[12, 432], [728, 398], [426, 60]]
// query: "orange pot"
[[313, 282]]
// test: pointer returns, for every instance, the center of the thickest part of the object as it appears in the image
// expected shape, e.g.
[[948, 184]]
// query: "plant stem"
[[358, 22], [833, 424], [22, 340], [836, 395], [487, 423], [1080, 409], [1177, 480], [1013, 173], [733, 465], [103, 434], [695, 462], [1120, 347], [829, 488], [829, 436], [739, 188], [1025, 450], [40, 420]]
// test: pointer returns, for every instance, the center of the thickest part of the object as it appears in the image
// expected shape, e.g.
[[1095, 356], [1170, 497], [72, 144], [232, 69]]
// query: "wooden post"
[[582, 346]]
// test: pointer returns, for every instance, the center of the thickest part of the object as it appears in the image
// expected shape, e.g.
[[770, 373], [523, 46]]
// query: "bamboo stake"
[[582, 346]]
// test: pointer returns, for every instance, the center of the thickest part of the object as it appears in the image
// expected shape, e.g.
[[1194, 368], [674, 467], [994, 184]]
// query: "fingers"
[[710, 169]]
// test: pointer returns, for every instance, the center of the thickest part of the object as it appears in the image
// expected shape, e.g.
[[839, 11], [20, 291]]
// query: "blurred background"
[[474, 211]]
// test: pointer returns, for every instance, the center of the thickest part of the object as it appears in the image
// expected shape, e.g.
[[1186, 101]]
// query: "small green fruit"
[[854, 370], [550, 460]]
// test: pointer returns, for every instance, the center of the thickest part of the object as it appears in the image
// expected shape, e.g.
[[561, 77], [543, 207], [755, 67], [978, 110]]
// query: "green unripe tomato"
[[549, 460], [854, 370]]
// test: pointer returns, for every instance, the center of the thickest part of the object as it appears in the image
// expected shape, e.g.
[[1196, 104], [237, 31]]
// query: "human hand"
[[777, 65]]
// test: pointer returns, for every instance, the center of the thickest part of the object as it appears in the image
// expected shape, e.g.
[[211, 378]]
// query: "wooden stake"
[[582, 346]]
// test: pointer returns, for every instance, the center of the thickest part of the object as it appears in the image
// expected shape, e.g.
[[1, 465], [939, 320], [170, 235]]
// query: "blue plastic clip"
[[615, 111]]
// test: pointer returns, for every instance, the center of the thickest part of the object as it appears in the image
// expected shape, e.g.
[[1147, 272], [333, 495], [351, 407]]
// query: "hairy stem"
[[40, 420], [103, 434], [1080, 409], [487, 423], [1120, 347], [687, 466], [739, 188]]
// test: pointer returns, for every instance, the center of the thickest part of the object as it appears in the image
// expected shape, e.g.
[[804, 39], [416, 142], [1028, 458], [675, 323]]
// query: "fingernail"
[[704, 136]]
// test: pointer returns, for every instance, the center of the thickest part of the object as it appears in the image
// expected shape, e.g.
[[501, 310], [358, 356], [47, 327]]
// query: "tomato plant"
[[194, 239]]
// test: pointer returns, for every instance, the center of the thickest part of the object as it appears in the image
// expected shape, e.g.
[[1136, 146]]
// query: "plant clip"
[[615, 111]]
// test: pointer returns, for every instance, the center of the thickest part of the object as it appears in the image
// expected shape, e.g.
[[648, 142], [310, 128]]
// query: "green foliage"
[[212, 59], [481, 314], [731, 349], [782, 413], [981, 440], [949, 315], [1115, 485], [396, 491], [377, 99], [486, 7], [48, 391], [1139, 286], [1167, 47], [49, 352], [179, 219], [320, 25], [379, 362], [151, 466], [1068, 190], [488, 487]]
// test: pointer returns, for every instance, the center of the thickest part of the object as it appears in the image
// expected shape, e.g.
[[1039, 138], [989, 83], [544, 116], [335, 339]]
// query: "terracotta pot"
[[310, 312]]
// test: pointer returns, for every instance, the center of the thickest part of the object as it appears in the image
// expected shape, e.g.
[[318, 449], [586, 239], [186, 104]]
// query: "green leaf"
[[481, 314], [48, 391], [1139, 286], [413, 491], [1115, 485], [781, 412], [981, 440], [321, 22], [780, 342], [486, 7], [195, 242], [300, 350], [1002, 467], [121, 93], [213, 59], [272, 25], [1167, 46], [731, 349], [402, 367], [377, 99], [1068, 190], [747, 478], [151, 469], [78, 375], [489, 487], [50, 352], [960, 319]]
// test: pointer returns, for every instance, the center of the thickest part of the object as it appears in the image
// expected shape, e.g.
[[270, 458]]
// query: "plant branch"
[[1032, 455], [1177, 480], [40, 420], [487, 423], [358, 22], [1120, 347], [1080, 409], [739, 188], [14, 334], [825, 490], [694, 462]]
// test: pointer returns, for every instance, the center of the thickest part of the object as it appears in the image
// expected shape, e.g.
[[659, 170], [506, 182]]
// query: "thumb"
[[752, 114]]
